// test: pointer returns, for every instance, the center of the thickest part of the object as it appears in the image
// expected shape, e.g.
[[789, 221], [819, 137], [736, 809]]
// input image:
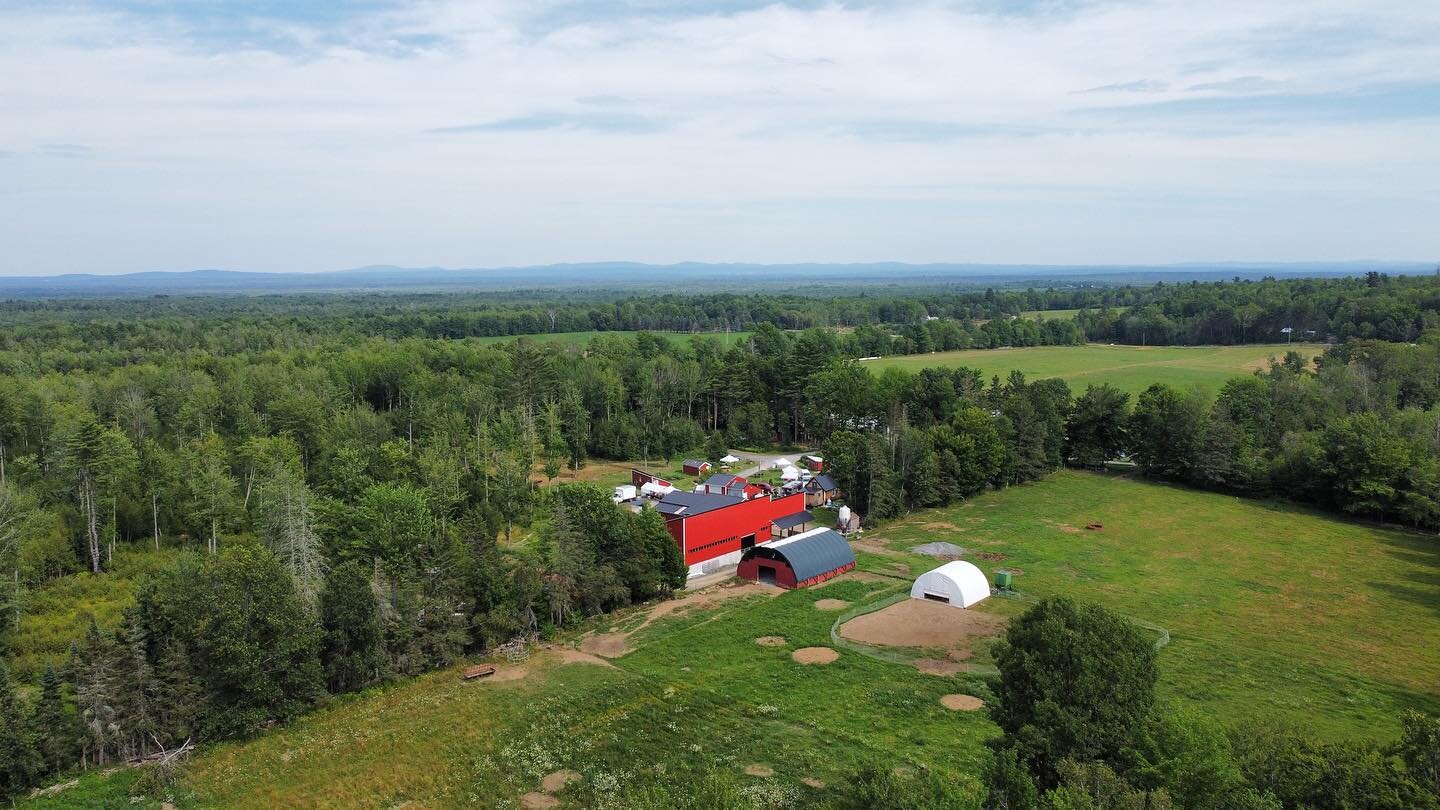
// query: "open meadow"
[[1275, 614], [1129, 368]]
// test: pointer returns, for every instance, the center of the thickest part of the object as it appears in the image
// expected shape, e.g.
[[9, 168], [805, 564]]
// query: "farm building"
[[640, 478], [956, 583], [712, 530], [793, 524], [798, 561], [820, 491], [695, 466], [813, 463], [724, 484]]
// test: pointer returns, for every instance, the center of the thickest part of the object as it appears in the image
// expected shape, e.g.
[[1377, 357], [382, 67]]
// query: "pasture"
[[1276, 614], [1129, 368]]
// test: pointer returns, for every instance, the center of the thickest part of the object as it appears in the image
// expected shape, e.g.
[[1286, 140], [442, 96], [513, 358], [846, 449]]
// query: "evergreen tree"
[[19, 762], [350, 649], [57, 732], [92, 664]]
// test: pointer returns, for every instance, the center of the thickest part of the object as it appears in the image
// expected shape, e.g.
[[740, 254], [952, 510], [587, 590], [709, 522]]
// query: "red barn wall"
[[711, 534], [784, 574]]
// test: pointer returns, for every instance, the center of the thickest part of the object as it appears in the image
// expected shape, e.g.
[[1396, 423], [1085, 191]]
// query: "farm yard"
[[1129, 368], [1272, 611]]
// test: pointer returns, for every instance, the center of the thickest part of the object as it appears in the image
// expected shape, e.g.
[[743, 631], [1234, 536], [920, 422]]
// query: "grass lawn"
[[1129, 368], [1276, 612], [583, 339], [1061, 314]]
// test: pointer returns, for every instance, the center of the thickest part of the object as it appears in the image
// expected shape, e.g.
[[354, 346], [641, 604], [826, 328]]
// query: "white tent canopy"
[[790, 473], [956, 583], [784, 462], [729, 459]]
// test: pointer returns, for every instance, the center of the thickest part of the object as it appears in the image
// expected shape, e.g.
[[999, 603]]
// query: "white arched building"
[[956, 583]]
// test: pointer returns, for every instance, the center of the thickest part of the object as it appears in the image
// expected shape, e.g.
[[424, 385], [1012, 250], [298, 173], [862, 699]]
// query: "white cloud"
[[471, 134]]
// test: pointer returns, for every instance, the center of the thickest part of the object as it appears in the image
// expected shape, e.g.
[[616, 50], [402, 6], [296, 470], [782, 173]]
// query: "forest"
[[326, 501]]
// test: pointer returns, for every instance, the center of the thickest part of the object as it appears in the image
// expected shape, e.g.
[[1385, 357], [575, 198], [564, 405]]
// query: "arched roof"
[[958, 581], [809, 554]]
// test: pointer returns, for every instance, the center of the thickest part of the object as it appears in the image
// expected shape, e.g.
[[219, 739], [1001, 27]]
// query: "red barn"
[[798, 561], [695, 466], [713, 530], [814, 463]]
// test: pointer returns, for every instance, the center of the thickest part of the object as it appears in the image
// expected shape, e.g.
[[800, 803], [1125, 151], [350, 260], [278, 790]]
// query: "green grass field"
[[1060, 314], [583, 339], [1130, 368], [1276, 614]]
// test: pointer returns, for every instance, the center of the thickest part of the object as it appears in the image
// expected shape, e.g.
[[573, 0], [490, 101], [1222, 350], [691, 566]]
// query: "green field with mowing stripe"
[[1129, 368]]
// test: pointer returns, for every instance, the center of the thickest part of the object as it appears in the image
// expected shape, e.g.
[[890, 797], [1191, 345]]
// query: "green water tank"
[[1002, 580]]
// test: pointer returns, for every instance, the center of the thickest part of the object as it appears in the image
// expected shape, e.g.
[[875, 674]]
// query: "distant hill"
[[687, 276]]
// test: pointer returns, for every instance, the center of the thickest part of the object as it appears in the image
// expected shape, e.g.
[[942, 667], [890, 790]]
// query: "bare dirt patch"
[[1067, 528], [874, 547], [962, 654], [814, 655], [556, 781], [961, 703], [535, 801], [568, 656], [859, 576], [991, 556], [509, 673], [810, 781], [607, 645], [920, 623], [762, 771], [936, 666], [900, 568], [771, 641], [831, 604]]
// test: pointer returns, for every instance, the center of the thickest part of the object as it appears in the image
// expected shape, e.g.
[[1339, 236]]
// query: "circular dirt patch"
[[608, 645], [921, 623], [934, 666], [762, 771], [556, 782], [508, 673], [771, 641], [811, 781], [814, 655], [535, 801], [961, 703], [831, 604]]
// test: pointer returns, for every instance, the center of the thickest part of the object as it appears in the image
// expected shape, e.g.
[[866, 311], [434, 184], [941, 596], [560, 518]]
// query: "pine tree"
[[19, 763], [180, 699], [136, 693], [93, 668], [57, 732], [350, 621]]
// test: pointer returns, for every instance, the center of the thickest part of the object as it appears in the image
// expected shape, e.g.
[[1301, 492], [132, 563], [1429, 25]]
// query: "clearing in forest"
[[1129, 368]]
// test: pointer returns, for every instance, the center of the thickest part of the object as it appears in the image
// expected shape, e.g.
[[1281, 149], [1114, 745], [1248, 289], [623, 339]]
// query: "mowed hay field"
[[1129, 368], [1276, 613]]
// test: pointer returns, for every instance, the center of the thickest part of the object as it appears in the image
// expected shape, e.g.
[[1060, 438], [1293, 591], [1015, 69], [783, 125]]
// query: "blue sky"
[[142, 135]]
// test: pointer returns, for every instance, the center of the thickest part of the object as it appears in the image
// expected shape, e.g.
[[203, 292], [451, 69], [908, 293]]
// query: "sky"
[[303, 136]]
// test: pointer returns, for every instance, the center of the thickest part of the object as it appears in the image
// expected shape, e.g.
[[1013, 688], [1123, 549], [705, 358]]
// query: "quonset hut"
[[799, 560], [957, 583]]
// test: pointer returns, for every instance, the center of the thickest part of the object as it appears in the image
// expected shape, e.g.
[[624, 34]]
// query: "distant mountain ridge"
[[683, 276]]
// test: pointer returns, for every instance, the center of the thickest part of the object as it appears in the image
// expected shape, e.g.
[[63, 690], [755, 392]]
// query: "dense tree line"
[[61, 335]]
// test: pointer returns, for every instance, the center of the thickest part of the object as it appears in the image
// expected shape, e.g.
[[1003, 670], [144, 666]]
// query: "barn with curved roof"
[[799, 560]]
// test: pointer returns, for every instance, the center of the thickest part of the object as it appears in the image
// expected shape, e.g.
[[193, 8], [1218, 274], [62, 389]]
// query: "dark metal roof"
[[824, 482], [791, 521], [722, 480], [694, 503], [816, 552], [693, 462]]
